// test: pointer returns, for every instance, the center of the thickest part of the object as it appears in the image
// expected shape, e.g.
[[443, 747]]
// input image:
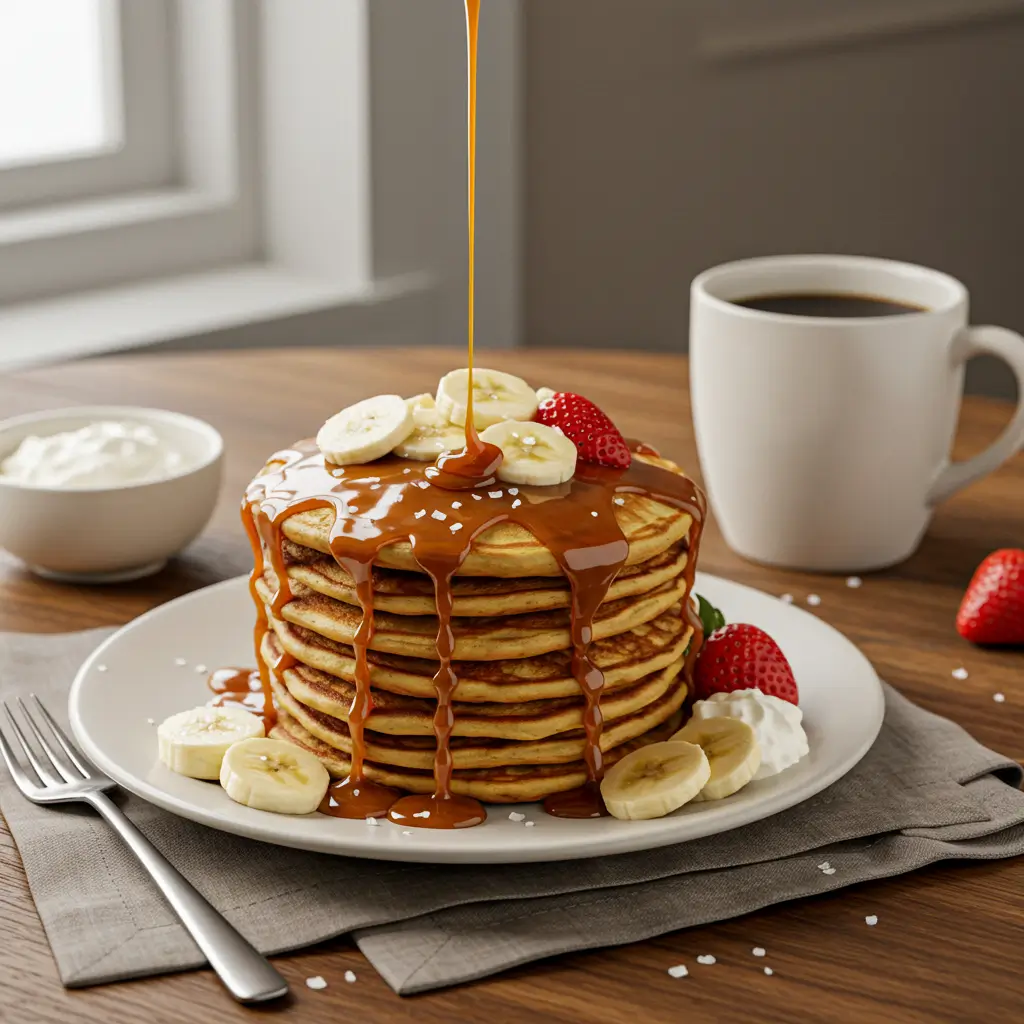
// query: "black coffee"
[[837, 306]]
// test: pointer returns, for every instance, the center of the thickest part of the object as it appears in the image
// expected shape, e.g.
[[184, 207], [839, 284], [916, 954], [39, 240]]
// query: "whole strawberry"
[[597, 439], [743, 657], [992, 611]]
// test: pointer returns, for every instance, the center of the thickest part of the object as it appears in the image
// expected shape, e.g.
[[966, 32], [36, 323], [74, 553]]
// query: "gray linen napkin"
[[925, 792]]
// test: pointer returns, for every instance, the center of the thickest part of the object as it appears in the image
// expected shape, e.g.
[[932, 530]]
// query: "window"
[[60, 81]]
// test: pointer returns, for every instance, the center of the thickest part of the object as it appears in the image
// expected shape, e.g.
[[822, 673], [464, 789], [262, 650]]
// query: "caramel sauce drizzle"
[[395, 500], [440, 510]]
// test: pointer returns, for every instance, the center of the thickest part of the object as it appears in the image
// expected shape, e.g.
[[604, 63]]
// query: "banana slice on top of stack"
[[427, 426]]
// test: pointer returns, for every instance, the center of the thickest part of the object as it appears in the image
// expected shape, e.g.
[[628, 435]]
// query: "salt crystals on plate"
[[960, 673], [316, 983], [350, 977], [516, 816], [706, 959], [813, 600], [853, 582], [999, 698], [759, 951], [679, 971], [871, 920]]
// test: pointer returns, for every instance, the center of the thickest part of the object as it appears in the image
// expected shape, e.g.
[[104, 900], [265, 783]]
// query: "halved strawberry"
[[992, 611], [743, 657], [596, 438]]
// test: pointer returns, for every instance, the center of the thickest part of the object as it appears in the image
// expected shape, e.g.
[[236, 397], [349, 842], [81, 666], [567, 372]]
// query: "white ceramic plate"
[[133, 679]]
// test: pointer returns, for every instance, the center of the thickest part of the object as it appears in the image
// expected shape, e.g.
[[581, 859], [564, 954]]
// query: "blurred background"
[[200, 173]]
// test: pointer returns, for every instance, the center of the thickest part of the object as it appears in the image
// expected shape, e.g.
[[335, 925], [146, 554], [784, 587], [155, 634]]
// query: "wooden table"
[[948, 945]]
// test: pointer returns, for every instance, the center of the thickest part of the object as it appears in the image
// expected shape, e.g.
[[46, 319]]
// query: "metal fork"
[[69, 777]]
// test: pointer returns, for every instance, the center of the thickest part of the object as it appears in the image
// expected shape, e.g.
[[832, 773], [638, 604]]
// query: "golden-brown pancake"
[[623, 659], [486, 638], [414, 716], [507, 784], [475, 751], [410, 593], [509, 550]]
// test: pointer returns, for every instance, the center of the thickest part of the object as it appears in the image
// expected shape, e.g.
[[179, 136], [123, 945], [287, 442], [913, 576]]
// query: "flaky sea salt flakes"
[[407, 471], [456, 504], [372, 821], [679, 971], [316, 983], [824, 866], [438, 515], [421, 814], [517, 503], [706, 959], [619, 501], [455, 527], [516, 816], [853, 582], [999, 698], [101, 668], [960, 673], [594, 514], [828, 871], [478, 497], [759, 951], [813, 600], [513, 491], [871, 920], [180, 662], [786, 598], [530, 824], [406, 832], [495, 494], [150, 721], [350, 977], [768, 971], [419, 515], [202, 669]]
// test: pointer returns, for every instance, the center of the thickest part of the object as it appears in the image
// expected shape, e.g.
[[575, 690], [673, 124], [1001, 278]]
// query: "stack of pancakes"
[[518, 733]]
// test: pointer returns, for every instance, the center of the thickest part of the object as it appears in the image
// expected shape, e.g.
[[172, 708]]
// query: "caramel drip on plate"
[[238, 688]]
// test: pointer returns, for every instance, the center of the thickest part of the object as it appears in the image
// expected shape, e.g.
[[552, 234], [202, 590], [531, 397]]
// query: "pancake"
[[400, 715], [506, 784], [488, 638], [623, 659], [409, 593], [476, 751], [508, 549]]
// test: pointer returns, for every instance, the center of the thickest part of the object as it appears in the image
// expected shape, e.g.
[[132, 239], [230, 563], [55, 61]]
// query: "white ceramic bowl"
[[109, 534]]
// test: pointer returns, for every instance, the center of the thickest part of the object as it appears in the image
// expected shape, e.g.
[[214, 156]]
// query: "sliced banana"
[[655, 780], [732, 751], [532, 453], [193, 743], [432, 434], [272, 775], [366, 431], [497, 396]]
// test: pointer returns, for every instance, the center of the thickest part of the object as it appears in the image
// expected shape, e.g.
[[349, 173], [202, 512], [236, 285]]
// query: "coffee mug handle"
[[1008, 346]]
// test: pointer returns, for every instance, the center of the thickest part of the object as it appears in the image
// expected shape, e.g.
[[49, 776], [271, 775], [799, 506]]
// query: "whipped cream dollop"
[[777, 724], [102, 454]]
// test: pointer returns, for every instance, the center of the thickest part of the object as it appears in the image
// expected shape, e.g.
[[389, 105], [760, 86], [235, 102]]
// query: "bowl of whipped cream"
[[104, 494]]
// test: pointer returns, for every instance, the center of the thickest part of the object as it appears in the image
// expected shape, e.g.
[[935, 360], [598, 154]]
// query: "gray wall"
[[663, 136]]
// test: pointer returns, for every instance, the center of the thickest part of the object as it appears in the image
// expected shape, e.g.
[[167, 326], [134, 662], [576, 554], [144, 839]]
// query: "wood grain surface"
[[949, 944]]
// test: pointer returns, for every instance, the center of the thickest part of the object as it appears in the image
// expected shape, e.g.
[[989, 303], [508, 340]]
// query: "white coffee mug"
[[825, 441]]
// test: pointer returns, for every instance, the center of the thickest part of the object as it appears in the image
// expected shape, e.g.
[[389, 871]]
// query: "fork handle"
[[246, 974]]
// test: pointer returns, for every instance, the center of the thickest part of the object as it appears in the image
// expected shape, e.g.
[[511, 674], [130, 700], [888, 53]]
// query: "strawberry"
[[992, 611], [743, 657], [596, 438]]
